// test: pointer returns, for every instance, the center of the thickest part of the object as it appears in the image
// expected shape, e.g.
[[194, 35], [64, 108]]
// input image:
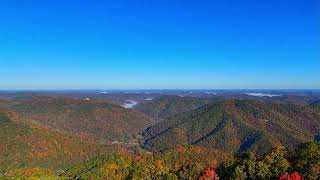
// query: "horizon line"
[[156, 89]]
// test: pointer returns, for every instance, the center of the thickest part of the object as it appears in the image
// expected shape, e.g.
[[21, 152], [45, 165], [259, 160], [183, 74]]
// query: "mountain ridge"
[[233, 125]]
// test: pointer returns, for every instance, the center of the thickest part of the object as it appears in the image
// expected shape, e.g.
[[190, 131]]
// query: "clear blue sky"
[[137, 44]]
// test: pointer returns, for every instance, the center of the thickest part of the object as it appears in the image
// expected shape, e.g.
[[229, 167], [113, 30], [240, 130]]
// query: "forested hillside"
[[166, 106], [103, 121], [237, 126], [189, 162], [63, 138], [186, 162], [25, 145]]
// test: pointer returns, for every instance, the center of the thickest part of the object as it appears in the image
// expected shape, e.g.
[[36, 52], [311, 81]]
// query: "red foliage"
[[137, 158], [293, 176], [209, 174]]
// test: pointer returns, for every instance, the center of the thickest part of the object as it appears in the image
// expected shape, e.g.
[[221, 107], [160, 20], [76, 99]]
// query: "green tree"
[[306, 160], [277, 161]]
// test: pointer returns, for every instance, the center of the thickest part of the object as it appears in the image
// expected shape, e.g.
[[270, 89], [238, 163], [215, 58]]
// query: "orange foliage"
[[160, 164], [112, 166], [209, 174], [181, 149], [214, 163]]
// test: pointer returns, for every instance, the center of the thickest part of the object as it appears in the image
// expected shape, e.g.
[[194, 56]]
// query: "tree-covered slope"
[[183, 162], [25, 145], [166, 106], [192, 162], [103, 121], [237, 126]]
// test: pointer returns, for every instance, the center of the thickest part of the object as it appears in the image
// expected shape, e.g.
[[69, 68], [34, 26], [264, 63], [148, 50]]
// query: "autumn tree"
[[306, 160], [292, 176], [209, 174], [277, 161]]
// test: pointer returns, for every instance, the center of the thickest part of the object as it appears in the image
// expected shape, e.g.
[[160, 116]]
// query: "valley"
[[65, 135]]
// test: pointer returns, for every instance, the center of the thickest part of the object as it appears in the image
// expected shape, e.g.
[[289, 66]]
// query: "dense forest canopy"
[[165, 137]]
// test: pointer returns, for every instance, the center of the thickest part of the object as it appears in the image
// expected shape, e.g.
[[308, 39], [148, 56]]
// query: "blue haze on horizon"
[[160, 44]]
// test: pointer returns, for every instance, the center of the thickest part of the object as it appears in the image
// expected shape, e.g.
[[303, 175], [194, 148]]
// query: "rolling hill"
[[166, 106], [25, 145], [237, 126], [103, 121]]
